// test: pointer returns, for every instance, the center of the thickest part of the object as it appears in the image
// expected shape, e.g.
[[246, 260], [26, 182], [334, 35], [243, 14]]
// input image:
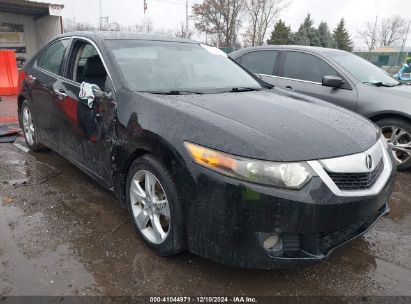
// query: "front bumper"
[[227, 217]]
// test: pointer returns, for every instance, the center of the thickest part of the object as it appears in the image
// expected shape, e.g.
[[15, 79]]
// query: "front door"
[[89, 124], [303, 72]]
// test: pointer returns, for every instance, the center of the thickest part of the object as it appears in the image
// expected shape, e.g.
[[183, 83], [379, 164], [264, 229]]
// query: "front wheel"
[[397, 132], [154, 205]]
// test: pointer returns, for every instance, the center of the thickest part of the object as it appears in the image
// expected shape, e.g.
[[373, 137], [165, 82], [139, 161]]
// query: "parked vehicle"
[[343, 79], [205, 155]]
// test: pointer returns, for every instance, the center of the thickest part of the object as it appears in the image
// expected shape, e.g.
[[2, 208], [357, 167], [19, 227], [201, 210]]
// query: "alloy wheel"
[[400, 141], [28, 125], [150, 207]]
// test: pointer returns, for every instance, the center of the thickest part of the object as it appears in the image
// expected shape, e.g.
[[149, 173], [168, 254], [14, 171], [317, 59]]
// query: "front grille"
[[357, 181]]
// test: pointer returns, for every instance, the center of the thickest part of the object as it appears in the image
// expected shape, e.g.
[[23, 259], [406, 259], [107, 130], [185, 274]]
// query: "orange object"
[[8, 73]]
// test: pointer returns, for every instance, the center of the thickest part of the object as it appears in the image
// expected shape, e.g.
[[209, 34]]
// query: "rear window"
[[52, 58], [261, 62]]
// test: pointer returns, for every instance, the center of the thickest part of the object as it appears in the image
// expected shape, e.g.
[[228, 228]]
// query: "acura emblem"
[[368, 162]]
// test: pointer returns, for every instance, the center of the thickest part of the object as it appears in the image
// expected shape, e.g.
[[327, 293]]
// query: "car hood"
[[293, 126], [397, 91]]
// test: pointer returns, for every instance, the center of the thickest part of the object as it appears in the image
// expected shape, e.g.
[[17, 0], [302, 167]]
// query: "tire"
[[165, 189], [29, 129], [392, 127]]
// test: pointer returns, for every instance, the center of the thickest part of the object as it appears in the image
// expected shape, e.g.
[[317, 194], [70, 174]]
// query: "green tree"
[[325, 36], [280, 34], [342, 37], [300, 37], [307, 34]]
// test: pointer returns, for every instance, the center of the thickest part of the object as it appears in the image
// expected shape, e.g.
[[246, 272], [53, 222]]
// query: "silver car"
[[343, 79]]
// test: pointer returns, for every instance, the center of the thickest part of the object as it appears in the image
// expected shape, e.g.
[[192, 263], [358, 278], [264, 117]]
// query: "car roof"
[[117, 35], [313, 49]]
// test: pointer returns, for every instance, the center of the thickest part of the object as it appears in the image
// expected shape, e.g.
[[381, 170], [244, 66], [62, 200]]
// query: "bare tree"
[[135, 28], [115, 26], [182, 31], [392, 31], [220, 18], [71, 26], [148, 26], [368, 35], [389, 32], [262, 14]]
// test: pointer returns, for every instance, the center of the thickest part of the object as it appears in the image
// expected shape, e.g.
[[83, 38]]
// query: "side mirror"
[[332, 81]]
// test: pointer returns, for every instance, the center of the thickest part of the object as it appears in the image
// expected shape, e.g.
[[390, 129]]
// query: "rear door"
[[303, 72], [262, 62], [42, 79]]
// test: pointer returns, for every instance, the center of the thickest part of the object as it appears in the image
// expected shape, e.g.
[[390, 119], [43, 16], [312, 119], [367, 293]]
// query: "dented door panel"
[[88, 131]]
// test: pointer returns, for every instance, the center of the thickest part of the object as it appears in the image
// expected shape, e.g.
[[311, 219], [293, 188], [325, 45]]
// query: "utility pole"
[[373, 40], [186, 32], [100, 18], [403, 42]]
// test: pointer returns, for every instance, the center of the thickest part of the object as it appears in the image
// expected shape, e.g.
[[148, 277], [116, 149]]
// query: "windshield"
[[154, 66], [363, 70]]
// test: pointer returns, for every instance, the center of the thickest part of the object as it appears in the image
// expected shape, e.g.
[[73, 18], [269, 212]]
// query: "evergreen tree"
[[300, 37], [342, 37], [325, 37], [312, 32], [280, 34], [306, 34]]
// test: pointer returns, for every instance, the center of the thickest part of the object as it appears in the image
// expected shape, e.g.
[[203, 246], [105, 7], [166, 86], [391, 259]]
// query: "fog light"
[[271, 241]]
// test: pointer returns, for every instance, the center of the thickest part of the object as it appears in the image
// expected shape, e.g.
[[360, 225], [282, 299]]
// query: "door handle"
[[60, 92], [289, 88]]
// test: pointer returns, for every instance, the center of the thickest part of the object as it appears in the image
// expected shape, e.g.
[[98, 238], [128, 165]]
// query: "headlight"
[[277, 174]]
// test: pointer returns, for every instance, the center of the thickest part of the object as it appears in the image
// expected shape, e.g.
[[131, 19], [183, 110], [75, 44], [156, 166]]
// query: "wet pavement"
[[62, 234]]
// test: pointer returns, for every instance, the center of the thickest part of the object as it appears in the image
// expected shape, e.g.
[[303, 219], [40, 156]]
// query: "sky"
[[168, 14]]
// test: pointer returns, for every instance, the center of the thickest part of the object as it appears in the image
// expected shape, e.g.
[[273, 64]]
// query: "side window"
[[51, 59], [261, 62], [304, 66], [86, 65]]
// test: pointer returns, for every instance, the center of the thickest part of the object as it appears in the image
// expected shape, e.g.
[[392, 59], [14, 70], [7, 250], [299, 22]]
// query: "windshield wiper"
[[379, 84], [239, 89], [244, 89], [173, 92]]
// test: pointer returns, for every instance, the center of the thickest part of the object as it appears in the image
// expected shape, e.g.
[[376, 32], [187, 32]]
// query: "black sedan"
[[206, 156]]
